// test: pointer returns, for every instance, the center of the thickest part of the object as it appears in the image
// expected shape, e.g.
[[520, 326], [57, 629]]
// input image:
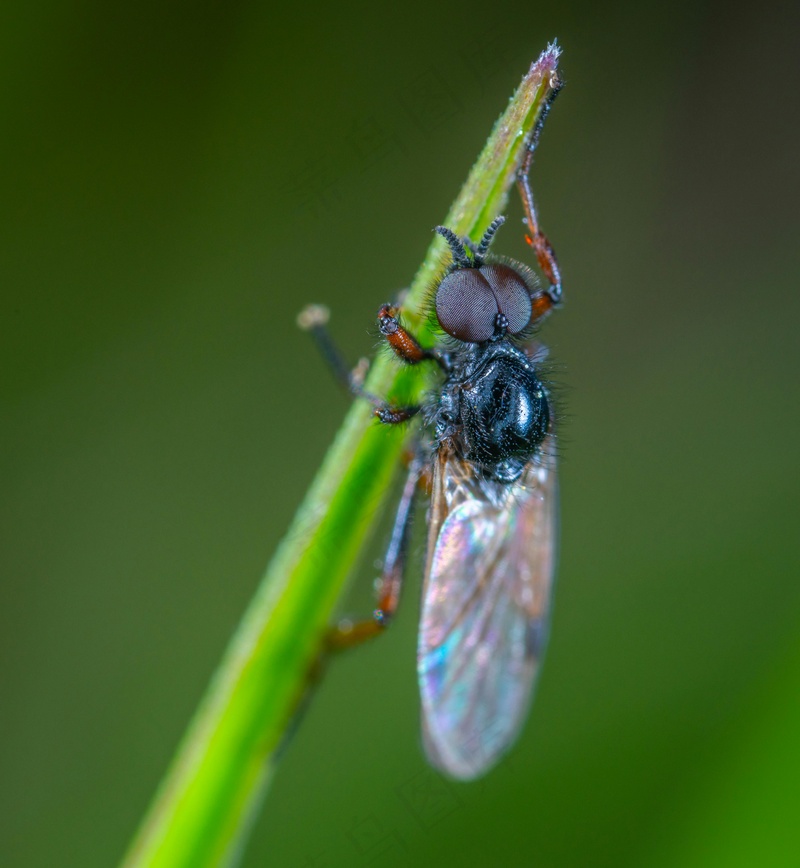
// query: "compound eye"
[[512, 294], [466, 307]]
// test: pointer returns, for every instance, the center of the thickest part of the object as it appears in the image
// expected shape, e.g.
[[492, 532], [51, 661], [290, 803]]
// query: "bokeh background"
[[178, 179]]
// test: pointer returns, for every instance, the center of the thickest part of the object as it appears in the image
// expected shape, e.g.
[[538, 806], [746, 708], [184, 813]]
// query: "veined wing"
[[486, 600]]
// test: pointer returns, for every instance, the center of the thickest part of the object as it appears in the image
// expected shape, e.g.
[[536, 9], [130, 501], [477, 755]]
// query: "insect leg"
[[404, 344], [314, 320], [545, 255], [390, 415], [347, 634], [407, 348]]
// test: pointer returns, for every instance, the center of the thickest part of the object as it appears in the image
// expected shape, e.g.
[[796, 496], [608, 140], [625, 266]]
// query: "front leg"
[[409, 349], [404, 344], [314, 319], [551, 296]]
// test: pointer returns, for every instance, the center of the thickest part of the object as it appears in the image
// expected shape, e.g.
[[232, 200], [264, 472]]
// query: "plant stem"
[[201, 811]]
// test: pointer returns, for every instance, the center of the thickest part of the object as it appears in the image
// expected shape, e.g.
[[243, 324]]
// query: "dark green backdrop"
[[176, 181]]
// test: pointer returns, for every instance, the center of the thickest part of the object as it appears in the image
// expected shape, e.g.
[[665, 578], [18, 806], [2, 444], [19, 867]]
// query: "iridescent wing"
[[486, 599]]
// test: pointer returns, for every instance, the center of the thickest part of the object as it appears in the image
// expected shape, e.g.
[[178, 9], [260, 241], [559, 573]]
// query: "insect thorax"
[[495, 408]]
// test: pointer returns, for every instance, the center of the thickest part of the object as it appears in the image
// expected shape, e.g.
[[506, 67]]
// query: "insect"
[[491, 551]]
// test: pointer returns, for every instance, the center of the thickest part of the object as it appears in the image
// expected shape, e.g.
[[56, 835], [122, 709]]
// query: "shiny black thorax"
[[494, 408]]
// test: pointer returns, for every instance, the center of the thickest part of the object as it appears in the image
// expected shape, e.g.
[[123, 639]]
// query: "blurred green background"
[[177, 181]]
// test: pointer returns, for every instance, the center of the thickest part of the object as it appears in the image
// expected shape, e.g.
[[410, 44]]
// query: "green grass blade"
[[211, 791]]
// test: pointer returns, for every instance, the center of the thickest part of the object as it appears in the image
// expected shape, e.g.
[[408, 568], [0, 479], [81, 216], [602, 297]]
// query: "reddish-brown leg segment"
[[545, 255], [314, 319], [347, 634], [404, 344], [407, 348]]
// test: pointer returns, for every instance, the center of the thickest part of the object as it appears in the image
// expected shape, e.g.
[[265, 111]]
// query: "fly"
[[492, 519]]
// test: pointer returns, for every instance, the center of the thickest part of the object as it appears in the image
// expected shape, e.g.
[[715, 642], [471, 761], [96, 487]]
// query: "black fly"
[[492, 518]]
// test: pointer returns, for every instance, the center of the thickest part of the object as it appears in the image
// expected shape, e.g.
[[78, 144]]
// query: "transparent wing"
[[486, 600]]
